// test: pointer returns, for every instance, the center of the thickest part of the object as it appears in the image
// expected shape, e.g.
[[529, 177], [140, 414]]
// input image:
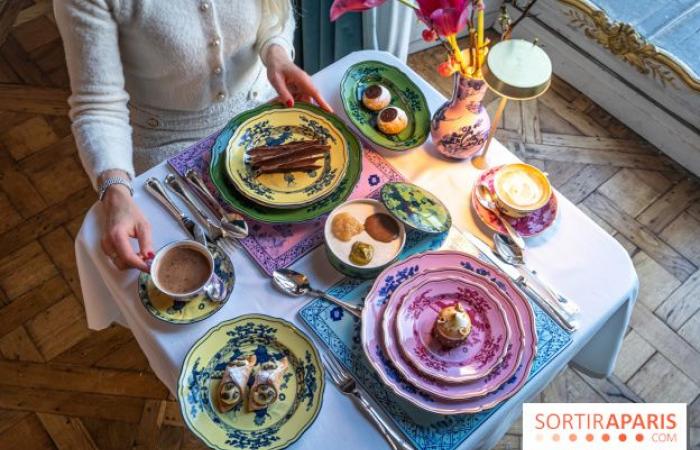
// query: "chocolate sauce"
[[373, 91], [388, 114]]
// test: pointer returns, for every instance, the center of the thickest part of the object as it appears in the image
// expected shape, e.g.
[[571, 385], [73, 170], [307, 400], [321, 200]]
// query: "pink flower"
[[340, 7], [446, 17]]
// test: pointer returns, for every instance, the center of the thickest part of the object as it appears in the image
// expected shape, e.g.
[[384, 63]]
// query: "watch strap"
[[102, 188]]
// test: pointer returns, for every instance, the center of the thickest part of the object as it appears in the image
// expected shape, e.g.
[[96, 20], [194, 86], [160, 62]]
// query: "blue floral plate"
[[272, 428]]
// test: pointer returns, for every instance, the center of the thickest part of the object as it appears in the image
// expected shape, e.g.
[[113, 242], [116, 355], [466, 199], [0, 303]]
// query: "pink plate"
[[439, 388], [528, 226], [521, 349], [486, 344]]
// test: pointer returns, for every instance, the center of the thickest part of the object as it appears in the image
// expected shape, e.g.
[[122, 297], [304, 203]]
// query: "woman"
[[150, 77]]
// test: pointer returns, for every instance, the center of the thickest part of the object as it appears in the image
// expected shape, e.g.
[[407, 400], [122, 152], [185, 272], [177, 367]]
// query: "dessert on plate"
[[376, 97], [234, 384], [452, 326], [392, 120], [266, 386]]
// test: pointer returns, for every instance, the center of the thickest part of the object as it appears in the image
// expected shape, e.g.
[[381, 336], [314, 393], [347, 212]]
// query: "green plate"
[[166, 309], [416, 207], [219, 175], [272, 428], [404, 94]]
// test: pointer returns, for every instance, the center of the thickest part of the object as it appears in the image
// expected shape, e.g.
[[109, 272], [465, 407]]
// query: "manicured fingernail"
[[151, 255], [290, 103]]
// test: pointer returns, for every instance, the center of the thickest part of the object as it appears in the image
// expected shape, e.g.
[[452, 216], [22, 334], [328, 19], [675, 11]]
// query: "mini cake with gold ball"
[[452, 326]]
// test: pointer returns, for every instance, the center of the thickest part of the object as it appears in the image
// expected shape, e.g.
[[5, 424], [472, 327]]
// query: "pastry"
[[361, 253], [266, 386], [452, 326], [382, 227], [376, 97], [234, 384], [344, 226], [392, 120]]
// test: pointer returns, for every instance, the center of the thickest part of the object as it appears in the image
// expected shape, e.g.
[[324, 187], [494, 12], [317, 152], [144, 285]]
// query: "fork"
[[347, 385], [219, 235]]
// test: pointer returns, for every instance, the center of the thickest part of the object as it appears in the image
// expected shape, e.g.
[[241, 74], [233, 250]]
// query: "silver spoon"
[[297, 284], [515, 256], [232, 221], [485, 198]]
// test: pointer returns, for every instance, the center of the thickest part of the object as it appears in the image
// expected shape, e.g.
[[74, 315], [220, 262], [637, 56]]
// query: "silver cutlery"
[[347, 385], [218, 234], [154, 187], [509, 252], [297, 284], [231, 221], [550, 306], [486, 199]]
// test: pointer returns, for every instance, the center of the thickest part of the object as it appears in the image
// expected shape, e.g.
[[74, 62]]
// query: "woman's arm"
[[98, 103], [98, 110], [276, 47]]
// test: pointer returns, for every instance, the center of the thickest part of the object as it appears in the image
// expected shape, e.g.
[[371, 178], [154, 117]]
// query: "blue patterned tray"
[[341, 333]]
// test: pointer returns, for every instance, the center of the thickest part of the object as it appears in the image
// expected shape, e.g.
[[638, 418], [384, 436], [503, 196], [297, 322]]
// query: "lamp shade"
[[517, 69]]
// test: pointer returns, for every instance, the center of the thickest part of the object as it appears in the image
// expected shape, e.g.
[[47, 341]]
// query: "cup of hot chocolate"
[[184, 270], [521, 189]]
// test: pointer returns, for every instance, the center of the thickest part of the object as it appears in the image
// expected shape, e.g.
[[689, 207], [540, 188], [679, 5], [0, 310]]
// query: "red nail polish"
[[151, 255], [290, 103]]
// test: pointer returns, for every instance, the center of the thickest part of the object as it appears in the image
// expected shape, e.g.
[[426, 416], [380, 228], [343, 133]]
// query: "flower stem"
[[452, 40], [409, 3]]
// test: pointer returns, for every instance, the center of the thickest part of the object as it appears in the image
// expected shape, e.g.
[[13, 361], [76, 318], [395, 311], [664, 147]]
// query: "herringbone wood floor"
[[63, 386]]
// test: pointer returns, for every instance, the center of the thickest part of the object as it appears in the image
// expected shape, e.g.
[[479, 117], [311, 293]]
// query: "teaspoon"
[[485, 198]]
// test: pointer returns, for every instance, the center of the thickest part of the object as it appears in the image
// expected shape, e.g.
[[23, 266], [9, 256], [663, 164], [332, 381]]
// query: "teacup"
[[184, 270], [521, 189]]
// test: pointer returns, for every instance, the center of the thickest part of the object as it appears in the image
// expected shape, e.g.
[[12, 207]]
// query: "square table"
[[579, 258]]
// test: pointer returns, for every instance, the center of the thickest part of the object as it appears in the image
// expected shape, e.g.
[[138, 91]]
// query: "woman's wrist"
[[114, 192], [276, 55]]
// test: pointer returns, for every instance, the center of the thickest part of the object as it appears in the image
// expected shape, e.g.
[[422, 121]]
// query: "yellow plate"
[[290, 189], [275, 427]]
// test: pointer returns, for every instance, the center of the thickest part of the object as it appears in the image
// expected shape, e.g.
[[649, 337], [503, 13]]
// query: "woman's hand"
[[290, 81], [124, 220]]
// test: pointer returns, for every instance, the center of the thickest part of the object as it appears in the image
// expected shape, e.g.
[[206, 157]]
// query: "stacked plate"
[[289, 196], [398, 333]]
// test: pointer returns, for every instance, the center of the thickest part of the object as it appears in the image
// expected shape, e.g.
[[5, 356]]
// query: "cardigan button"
[[215, 42], [221, 96], [152, 122], [218, 70], [204, 6]]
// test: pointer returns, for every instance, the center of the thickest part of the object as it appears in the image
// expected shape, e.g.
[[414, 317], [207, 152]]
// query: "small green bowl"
[[360, 209]]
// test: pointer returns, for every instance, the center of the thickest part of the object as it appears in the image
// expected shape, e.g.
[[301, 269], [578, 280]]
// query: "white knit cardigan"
[[168, 71]]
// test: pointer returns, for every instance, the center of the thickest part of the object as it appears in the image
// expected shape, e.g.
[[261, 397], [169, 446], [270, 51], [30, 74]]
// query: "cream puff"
[[452, 326], [376, 97], [392, 120]]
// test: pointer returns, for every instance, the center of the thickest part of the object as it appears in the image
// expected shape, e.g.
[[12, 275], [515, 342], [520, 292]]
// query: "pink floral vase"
[[460, 127]]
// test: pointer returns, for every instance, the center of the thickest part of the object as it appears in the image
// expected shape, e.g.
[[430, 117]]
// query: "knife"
[[552, 309], [157, 190]]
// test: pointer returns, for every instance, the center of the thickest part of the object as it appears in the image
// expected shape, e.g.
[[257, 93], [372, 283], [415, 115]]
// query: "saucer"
[[484, 348], [167, 309], [528, 226]]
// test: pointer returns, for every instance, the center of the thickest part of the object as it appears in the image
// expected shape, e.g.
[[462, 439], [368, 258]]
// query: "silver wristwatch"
[[102, 188]]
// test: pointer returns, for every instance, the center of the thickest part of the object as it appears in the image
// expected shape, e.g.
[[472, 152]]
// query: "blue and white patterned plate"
[[272, 428]]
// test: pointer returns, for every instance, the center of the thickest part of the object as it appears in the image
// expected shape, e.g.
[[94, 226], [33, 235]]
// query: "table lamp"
[[514, 69]]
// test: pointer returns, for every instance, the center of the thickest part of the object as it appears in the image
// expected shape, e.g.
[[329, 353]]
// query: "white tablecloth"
[[576, 255]]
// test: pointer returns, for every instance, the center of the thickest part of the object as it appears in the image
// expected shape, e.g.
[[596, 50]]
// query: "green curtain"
[[318, 41]]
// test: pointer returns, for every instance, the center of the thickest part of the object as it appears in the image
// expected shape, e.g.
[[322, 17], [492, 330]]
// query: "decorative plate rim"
[[531, 328], [261, 317], [502, 314], [286, 215], [399, 147], [286, 205]]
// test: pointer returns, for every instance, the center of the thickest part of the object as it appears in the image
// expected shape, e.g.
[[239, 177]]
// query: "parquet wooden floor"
[[64, 386]]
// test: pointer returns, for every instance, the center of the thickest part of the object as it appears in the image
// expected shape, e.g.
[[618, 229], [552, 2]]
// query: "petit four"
[[345, 226], [376, 97], [452, 326], [234, 384], [361, 253], [392, 120], [266, 385], [382, 227]]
